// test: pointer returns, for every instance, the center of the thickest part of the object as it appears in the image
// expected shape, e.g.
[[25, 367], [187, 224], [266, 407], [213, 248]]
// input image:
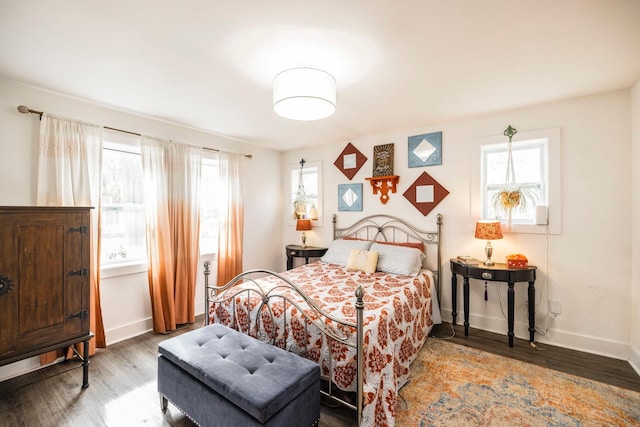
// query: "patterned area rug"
[[453, 385]]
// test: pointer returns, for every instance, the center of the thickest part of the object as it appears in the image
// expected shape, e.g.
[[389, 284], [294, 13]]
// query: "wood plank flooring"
[[599, 368], [122, 378]]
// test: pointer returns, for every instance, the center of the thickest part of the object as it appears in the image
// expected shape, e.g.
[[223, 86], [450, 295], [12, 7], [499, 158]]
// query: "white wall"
[[125, 299], [635, 231], [587, 267]]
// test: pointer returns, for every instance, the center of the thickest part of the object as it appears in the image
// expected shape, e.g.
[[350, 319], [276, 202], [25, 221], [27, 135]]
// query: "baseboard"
[[555, 337], [130, 330], [24, 366], [634, 360], [139, 327]]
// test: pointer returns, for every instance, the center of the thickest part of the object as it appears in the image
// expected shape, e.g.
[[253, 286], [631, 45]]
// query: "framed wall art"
[[350, 197], [425, 150], [383, 160], [350, 161], [425, 193]]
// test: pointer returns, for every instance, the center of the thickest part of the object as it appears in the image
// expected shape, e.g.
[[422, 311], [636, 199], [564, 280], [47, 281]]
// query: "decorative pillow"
[[398, 259], [339, 250], [417, 245], [362, 261]]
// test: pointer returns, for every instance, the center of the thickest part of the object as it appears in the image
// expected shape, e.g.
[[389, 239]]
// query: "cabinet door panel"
[[42, 273], [9, 298]]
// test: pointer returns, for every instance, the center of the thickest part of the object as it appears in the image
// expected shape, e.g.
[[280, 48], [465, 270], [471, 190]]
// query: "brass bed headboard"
[[387, 228]]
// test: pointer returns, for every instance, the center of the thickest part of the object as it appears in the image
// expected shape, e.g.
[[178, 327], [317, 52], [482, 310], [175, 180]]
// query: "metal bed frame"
[[374, 227]]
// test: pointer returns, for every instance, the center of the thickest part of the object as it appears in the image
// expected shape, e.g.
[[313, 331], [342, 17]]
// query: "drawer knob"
[[292, 253], [486, 275]]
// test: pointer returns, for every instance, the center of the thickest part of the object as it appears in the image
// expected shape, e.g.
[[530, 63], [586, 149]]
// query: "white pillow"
[[398, 259], [339, 251]]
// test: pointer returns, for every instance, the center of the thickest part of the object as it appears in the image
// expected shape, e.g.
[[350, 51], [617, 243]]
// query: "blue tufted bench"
[[221, 377]]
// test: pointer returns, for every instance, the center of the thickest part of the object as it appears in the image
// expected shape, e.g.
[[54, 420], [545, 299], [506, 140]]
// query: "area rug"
[[453, 385]]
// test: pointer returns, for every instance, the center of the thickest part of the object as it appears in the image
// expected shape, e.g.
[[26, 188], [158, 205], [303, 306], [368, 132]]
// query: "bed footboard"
[[258, 294]]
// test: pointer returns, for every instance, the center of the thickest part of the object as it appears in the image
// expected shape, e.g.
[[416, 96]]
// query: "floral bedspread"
[[397, 320]]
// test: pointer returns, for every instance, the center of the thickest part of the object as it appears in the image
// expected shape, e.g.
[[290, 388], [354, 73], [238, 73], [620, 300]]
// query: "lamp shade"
[[304, 94], [488, 230], [303, 225]]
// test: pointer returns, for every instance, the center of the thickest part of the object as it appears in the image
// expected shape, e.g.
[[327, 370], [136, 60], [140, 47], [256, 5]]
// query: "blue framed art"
[[425, 150], [350, 197]]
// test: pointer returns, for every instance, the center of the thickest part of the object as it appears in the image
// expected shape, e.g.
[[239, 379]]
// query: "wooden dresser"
[[44, 281]]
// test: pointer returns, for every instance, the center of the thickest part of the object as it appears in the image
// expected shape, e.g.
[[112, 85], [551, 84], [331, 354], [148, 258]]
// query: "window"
[[536, 158], [123, 234], [209, 205], [123, 238], [530, 165], [311, 179]]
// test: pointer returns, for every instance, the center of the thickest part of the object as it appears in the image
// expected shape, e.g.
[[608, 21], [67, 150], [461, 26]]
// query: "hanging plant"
[[513, 196], [516, 197]]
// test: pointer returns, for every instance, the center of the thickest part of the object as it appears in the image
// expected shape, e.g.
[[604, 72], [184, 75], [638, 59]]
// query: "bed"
[[362, 312]]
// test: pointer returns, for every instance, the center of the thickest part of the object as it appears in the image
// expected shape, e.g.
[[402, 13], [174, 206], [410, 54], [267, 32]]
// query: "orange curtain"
[[69, 173], [231, 217], [172, 188]]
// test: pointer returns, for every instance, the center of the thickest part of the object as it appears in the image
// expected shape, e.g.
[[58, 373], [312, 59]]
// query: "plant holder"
[[512, 196], [511, 199]]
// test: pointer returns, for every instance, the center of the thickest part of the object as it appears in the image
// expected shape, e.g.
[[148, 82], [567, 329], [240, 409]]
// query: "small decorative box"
[[517, 261]]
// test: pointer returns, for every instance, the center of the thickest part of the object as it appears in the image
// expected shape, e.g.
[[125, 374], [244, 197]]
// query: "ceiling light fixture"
[[304, 94]]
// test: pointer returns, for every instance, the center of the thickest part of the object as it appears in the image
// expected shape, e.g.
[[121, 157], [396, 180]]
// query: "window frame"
[[542, 146], [554, 187], [131, 144], [214, 160], [291, 186]]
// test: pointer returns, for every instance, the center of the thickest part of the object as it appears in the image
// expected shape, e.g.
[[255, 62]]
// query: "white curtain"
[[69, 172], [69, 163], [172, 213], [231, 217]]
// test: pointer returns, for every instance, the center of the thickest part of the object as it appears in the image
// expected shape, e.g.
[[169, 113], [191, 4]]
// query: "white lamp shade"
[[304, 94]]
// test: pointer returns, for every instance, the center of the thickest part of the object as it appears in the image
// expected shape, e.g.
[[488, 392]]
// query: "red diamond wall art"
[[425, 193], [350, 161]]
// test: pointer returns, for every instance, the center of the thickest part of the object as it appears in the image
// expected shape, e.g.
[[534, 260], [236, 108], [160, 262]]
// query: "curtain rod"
[[26, 110]]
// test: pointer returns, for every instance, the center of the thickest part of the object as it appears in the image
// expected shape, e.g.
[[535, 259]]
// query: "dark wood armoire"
[[44, 281]]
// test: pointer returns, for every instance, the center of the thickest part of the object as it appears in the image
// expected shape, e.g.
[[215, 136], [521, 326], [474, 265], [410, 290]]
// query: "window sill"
[[122, 269], [531, 228]]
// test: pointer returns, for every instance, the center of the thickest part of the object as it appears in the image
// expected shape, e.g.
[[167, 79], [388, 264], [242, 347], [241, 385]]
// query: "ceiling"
[[397, 64]]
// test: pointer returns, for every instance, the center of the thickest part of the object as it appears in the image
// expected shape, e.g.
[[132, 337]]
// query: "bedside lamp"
[[488, 230], [303, 225]]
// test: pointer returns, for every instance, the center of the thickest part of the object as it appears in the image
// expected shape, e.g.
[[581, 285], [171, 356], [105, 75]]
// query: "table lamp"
[[488, 230], [303, 225]]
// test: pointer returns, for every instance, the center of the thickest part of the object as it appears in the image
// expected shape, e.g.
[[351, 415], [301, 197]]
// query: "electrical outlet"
[[555, 307]]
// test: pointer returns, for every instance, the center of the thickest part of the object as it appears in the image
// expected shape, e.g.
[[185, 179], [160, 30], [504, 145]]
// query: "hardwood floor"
[[122, 378], [599, 368]]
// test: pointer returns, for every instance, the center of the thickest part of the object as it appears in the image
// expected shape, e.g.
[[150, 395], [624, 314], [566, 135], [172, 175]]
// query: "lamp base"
[[488, 250], [304, 240]]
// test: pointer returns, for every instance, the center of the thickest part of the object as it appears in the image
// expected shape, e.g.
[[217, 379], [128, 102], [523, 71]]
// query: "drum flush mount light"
[[304, 93]]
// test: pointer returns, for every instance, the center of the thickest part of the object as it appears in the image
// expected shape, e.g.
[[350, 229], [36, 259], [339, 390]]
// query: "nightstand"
[[495, 273], [306, 252]]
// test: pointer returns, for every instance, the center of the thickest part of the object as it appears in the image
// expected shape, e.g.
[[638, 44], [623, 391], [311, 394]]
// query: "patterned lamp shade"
[[488, 230], [305, 225]]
